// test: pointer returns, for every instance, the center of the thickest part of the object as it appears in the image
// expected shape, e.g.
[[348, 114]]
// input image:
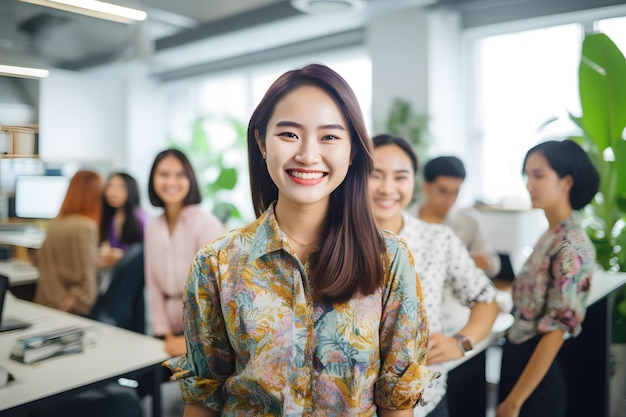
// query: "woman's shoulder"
[[71, 224], [73, 221]]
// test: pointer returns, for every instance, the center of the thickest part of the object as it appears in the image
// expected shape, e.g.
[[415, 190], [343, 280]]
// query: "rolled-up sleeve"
[[209, 360], [568, 290], [403, 336]]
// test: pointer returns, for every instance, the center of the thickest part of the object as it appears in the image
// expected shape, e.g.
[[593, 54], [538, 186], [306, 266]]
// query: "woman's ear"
[[259, 142], [569, 182]]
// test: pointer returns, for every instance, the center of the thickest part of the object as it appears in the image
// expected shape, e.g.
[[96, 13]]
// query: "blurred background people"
[[440, 259], [122, 223], [121, 256], [171, 242], [68, 258], [550, 293], [443, 177]]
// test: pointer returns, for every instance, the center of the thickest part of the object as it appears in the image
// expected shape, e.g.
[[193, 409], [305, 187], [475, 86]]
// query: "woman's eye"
[[288, 135], [330, 137]]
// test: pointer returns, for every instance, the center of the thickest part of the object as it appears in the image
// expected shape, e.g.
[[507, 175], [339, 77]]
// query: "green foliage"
[[602, 125], [216, 176], [413, 127], [408, 125]]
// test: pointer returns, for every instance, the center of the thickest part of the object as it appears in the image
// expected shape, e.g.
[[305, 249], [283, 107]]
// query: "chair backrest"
[[123, 304]]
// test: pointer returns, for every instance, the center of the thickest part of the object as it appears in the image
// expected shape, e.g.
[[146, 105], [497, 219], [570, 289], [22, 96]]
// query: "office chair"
[[123, 303]]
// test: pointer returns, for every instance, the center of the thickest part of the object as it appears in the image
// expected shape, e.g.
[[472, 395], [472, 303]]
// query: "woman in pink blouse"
[[171, 241], [550, 293]]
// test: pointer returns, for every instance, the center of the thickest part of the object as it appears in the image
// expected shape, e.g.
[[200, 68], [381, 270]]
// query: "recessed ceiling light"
[[327, 6]]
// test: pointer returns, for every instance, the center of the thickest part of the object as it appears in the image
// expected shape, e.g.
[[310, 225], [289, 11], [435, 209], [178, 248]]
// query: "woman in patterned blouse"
[[309, 310], [550, 293]]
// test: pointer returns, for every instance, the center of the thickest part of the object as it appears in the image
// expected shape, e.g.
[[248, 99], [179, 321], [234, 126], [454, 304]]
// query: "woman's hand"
[[108, 256], [68, 304], [508, 409], [175, 345], [442, 349]]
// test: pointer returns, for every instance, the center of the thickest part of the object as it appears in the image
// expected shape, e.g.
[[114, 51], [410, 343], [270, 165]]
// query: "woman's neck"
[[172, 213], [302, 224], [395, 224], [557, 215]]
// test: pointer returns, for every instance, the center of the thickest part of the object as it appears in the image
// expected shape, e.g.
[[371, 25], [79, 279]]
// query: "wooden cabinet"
[[19, 141]]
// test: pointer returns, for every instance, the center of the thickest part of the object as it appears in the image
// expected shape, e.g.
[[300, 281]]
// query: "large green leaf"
[[199, 139], [225, 181], [602, 82]]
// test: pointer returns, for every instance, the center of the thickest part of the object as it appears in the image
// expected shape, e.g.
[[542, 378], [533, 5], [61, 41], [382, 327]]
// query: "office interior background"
[[486, 75]]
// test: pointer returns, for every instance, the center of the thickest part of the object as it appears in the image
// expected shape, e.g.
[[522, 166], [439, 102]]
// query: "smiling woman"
[[171, 240], [270, 309]]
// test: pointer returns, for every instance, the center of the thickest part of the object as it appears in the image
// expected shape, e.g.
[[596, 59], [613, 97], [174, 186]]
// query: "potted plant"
[[602, 133]]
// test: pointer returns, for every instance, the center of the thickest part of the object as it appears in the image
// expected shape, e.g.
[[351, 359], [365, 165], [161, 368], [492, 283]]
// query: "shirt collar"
[[268, 237]]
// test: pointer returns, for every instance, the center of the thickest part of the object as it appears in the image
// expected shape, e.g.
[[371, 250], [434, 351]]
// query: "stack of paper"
[[37, 347]]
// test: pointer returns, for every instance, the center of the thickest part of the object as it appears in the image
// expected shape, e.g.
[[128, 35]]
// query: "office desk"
[[114, 353], [19, 272], [28, 238]]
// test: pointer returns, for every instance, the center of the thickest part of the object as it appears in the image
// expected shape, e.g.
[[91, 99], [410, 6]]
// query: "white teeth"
[[306, 175]]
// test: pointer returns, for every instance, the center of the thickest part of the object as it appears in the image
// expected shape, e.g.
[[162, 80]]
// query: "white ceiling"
[[67, 40]]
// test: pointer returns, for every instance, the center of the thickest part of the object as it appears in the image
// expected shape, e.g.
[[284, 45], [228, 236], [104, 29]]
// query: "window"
[[524, 79]]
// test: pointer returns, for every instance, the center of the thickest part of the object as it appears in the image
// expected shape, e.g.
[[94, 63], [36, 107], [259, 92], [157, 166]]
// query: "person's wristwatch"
[[464, 343]]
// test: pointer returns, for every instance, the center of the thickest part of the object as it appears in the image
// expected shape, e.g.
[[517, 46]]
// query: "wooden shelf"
[[19, 141]]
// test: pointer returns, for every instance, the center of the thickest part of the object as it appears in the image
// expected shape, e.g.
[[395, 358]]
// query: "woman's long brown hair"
[[350, 259]]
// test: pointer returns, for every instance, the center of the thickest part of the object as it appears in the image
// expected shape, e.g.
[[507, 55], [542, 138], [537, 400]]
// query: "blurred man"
[[443, 177]]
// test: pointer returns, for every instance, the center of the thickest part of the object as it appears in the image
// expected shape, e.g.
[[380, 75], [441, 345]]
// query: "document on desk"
[[37, 347]]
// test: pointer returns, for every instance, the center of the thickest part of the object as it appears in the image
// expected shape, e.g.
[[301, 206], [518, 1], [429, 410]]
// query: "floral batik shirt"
[[551, 291], [258, 345]]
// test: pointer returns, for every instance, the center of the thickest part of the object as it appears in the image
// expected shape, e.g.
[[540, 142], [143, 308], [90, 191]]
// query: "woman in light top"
[[441, 260], [122, 221], [68, 258], [309, 310], [171, 241], [550, 293]]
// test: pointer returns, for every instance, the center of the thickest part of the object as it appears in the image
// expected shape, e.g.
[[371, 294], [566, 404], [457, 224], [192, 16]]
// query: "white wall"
[[398, 46], [82, 117]]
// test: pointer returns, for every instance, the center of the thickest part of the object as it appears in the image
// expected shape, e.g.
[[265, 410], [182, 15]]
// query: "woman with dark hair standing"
[[550, 293], [123, 221], [310, 309], [171, 241], [68, 258]]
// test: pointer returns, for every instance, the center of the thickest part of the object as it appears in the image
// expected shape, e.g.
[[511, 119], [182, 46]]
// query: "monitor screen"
[[39, 196]]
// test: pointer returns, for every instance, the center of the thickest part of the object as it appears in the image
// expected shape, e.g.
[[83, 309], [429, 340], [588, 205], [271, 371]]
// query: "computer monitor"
[[39, 196]]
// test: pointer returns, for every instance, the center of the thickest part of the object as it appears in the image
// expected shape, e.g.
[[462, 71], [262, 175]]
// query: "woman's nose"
[[309, 152]]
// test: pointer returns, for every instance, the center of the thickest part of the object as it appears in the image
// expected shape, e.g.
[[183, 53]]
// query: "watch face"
[[467, 345], [464, 343]]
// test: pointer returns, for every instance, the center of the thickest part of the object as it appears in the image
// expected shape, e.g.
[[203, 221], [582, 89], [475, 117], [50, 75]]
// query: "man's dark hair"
[[445, 166]]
